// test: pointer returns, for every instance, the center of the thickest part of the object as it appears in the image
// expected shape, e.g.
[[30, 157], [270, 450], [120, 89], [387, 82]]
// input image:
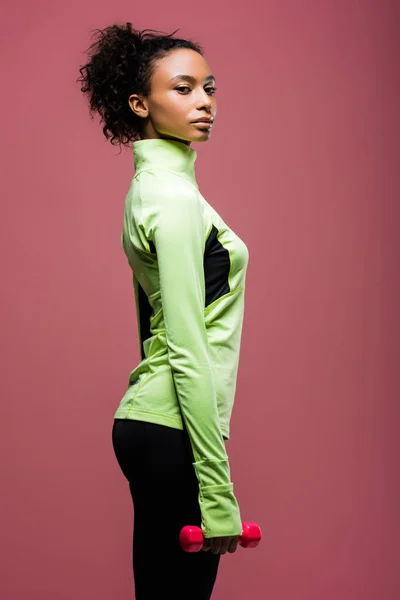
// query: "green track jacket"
[[189, 273]]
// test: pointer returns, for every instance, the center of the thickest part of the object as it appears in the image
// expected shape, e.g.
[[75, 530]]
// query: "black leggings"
[[157, 462]]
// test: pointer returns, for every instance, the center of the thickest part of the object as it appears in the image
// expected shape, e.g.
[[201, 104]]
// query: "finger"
[[233, 545], [224, 545], [216, 545], [206, 545]]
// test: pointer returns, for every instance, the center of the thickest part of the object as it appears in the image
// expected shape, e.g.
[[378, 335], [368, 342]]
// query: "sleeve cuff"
[[212, 472], [220, 511]]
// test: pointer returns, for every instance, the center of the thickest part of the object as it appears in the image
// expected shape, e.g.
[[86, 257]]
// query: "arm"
[[137, 291], [178, 235]]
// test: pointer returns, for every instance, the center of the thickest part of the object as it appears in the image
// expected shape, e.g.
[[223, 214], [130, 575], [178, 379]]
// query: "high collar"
[[166, 154]]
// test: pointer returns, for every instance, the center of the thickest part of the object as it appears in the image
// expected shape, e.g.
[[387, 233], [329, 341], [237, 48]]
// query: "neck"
[[162, 153]]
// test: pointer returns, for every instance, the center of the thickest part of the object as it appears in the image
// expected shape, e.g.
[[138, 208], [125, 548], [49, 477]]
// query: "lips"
[[204, 120]]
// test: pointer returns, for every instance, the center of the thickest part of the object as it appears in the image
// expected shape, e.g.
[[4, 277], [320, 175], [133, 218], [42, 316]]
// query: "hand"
[[221, 545]]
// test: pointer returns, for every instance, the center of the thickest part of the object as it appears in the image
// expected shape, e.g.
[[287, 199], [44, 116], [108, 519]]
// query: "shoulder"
[[161, 186]]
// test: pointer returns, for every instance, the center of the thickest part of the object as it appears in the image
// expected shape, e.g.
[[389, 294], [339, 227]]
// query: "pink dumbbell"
[[191, 537]]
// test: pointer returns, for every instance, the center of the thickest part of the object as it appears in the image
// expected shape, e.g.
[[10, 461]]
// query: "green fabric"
[[188, 368]]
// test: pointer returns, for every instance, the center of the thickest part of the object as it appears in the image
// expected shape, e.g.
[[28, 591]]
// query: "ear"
[[138, 106]]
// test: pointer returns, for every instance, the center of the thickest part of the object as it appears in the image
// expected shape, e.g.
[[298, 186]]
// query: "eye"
[[186, 87]]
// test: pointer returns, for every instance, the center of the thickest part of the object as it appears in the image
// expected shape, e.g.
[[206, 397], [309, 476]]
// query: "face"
[[175, 102]]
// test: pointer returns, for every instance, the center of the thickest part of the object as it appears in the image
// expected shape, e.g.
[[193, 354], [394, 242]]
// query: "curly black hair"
[[121, 62]]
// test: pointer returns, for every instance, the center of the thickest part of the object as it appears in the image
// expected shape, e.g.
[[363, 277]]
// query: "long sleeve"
[[139, 317], [174, 219]]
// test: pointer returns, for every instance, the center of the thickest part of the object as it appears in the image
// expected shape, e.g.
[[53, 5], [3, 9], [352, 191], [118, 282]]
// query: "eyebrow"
[[193, 79]]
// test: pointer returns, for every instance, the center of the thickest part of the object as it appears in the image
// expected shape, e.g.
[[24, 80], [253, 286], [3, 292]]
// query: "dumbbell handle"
[[191, 537]]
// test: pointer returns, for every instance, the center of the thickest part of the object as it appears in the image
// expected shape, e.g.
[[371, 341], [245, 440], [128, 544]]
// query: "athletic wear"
[[189, 273], [157, 462]]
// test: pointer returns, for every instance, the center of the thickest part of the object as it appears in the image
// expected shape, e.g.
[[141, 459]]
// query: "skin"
[[167, 113], [171, 106]]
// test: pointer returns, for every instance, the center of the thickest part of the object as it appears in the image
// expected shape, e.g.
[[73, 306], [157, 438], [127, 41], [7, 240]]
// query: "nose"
[[207, 100], [207, 103]]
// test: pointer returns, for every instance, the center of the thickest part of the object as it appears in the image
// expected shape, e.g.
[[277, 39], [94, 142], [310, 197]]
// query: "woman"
[[189, 270]]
